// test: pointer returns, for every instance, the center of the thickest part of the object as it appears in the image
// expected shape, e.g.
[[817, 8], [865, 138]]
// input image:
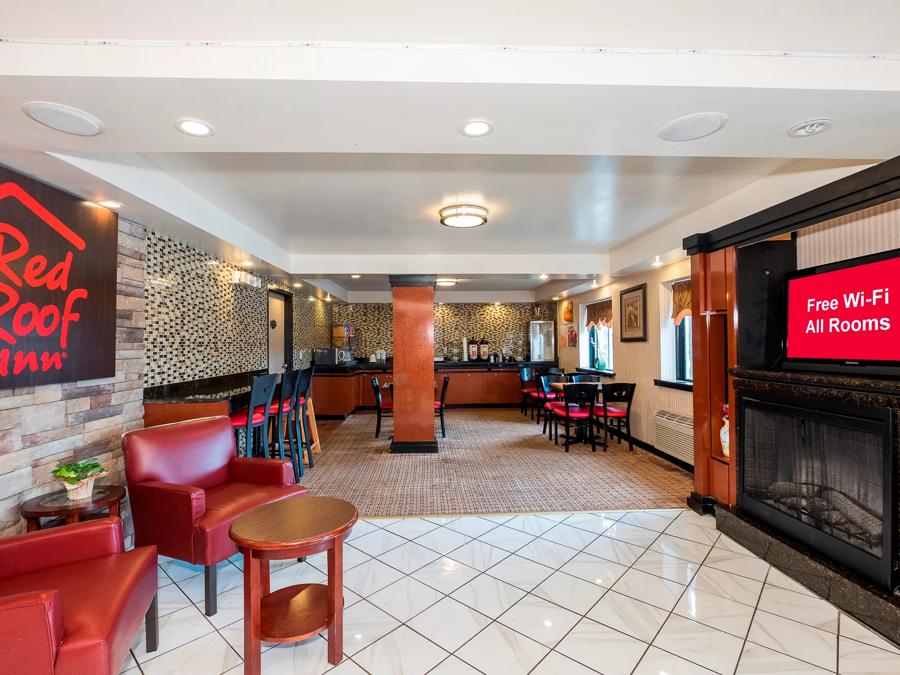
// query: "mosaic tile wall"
[[504, 325], [201, 325]]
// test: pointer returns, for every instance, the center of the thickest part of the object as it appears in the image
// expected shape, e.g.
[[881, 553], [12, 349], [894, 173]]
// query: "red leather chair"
[[72, 599], [186, 487]]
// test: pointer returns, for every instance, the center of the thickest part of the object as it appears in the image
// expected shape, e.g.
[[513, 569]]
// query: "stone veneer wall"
[[42, 426], [503, 325], [201, 325]]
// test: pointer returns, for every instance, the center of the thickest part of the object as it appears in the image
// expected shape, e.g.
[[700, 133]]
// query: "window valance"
[[681, 300], [599, 313]]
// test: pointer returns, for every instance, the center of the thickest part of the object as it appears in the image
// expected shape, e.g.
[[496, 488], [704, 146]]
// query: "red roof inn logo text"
[[24, 269]]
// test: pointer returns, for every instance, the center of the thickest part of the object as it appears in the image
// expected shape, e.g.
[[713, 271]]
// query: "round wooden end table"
[[293, 528], [57, 504]]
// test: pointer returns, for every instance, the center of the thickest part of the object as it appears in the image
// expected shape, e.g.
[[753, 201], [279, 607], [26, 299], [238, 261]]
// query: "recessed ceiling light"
[[446, 282], [810, 127], [194, 127], [463, 215], [311, 299], [544, 276], [657, 262], [496, 303], [476, 128], [247, 263], [693, 126], [355, 276], [63, 118], [594, 284], [110, 204], [555, 297], [328, 298], [297, 285]]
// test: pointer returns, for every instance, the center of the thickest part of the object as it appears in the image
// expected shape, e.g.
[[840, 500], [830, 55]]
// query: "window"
[[599, 333], [684, 353], [677, 333]]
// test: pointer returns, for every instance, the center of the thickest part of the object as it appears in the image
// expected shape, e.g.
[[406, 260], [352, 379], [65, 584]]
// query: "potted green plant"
[[78, 477]]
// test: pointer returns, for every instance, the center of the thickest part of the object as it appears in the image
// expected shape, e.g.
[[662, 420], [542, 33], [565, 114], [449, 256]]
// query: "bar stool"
[[261, 393], [284, 407], [301, 420]]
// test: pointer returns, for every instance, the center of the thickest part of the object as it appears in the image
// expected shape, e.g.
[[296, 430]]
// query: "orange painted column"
[[413, 302]]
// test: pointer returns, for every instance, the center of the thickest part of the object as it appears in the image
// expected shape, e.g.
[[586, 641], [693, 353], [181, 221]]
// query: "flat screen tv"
[[845, 317]]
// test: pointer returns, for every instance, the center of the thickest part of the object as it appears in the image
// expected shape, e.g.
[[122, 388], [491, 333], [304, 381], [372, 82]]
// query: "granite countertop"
[[829, 380], [208, 390], [366, 367]]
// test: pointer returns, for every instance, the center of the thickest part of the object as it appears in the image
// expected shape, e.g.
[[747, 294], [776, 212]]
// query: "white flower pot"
[[81, 490]]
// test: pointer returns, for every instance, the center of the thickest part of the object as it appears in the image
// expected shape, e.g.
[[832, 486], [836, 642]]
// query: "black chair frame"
[[439, 411], [616, 393]]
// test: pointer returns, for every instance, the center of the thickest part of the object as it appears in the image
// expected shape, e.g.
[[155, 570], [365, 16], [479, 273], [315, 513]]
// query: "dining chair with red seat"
[[543, 394], [256, 424], [439, 405], [382, 408], [528, 385], [615, 406], [72, 599], [577, 407], [186, 486]]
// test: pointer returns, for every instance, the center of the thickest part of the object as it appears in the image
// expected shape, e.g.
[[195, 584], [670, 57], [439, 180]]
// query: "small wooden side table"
[[293, 528], [57, 504]]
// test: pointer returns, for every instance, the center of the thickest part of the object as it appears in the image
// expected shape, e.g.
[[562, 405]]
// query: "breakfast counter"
[[339, 390]]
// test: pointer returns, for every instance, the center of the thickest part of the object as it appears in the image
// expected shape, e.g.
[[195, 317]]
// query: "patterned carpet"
[[492, 461]]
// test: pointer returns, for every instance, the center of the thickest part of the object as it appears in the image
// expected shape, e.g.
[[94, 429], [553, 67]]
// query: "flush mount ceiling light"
[[194, 127], [810, 127], [476, 128], [446, 282], [110, 204], [63, 118], [693, 126], [463, 215], [657, 262]]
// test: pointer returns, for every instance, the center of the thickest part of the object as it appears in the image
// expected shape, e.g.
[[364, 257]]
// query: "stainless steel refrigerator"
[[542, 340]]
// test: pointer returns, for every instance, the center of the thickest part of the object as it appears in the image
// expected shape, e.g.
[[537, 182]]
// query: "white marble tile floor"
[[616, 593]]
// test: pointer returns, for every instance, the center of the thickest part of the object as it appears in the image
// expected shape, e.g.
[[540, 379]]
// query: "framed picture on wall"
[[633, 314], [571, 335], [568, 311]]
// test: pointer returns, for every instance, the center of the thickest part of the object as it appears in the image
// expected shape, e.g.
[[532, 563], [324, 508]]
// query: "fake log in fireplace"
[[822, 473]]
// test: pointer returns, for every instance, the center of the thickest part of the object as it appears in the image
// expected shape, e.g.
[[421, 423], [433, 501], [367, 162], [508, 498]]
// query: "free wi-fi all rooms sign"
[[57, 285]]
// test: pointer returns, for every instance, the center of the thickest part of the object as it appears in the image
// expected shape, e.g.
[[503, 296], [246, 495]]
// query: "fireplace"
[[822, 472]]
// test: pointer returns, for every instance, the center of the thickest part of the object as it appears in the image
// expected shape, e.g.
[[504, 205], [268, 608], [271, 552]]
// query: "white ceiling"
[[386, 203], [337, 123], [803, 25]]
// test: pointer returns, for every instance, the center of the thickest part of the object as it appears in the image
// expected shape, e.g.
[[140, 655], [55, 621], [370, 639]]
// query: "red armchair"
[[71, 599], [186, 487]]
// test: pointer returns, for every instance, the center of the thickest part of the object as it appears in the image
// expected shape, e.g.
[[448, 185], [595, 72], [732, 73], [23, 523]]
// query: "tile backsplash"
[[201, 325], [504, 325]]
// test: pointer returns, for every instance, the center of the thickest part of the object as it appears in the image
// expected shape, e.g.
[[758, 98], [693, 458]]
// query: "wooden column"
[[413, 306]]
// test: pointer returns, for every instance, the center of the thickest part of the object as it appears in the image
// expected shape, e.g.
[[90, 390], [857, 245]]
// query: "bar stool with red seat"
[[382, 409], [261, 393], [301, 418], [439, 405], [283, 407], [576, 407], [615, 407]]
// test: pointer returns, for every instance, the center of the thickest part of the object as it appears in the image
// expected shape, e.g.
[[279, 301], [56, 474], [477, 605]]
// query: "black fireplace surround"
[[823, 472]]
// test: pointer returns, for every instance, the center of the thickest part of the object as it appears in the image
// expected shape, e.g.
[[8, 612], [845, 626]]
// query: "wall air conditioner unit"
[[244, 278], [675, 435]]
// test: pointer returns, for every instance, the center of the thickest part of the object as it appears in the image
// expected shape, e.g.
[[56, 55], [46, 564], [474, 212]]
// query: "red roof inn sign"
[[57, 285]]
